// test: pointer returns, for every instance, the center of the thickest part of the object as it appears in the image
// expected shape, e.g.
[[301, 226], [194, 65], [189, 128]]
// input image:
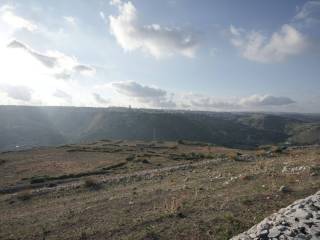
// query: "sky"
[[211, 55]]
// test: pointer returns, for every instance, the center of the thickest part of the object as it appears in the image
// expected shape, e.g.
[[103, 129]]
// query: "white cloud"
[[308, 16], [146, 95], [103, 16], [254, 102], [310, 9], [115, 2], [21, 93], [16, 22], [99, 99], [134, 89], [265, 100], [63, 95], [42, 74], [154, 39], [62, 66], [208, 103], [69, 19], [255, 46]]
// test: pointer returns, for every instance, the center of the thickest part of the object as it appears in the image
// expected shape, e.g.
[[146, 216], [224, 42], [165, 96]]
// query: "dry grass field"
[[148, 190]]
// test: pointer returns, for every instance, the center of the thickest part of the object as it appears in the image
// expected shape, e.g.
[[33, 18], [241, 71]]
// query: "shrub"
[[315, 170], [92, 184], [130, 157], [40, 179], [24, 195], [151, 236], [145, 161]]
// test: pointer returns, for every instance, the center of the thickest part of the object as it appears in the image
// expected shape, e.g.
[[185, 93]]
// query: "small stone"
[[273, 233], [263, 234], [309, 215], [284, 189], [252, 235]]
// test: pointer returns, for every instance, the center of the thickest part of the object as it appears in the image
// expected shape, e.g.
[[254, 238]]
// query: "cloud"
[[153, 39], [254, 102], [309, 10], [48, 61], [257, 102], [69, 19], [103, 16], [308, 16], [134, 89], [63, 66], [84, 70], [266, 100], [115, 2], [63, 95], [21, 93], [209, 103], [16, 22], [98, 98], [156, 97], [147, 95], [281, 45]]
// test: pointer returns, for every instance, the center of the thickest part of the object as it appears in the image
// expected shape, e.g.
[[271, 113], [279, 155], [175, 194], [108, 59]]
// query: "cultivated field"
[[148, 190]]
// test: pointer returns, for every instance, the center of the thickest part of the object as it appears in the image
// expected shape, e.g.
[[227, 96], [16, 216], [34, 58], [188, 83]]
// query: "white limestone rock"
[[298, 221]]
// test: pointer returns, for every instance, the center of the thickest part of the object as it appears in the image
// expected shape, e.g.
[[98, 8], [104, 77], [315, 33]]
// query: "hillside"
[[48, 126], [27, 127], [148, 190]]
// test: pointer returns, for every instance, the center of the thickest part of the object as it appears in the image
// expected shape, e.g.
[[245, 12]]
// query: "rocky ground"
[[149, 191], [300, 220]]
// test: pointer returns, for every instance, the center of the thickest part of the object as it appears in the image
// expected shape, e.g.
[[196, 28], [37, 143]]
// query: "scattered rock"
[[294, 170], [284, 189], [298, 221], [244, 157]]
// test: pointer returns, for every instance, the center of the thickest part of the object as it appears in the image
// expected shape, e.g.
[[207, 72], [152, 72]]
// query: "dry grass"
[[208, 202], [24, 195]]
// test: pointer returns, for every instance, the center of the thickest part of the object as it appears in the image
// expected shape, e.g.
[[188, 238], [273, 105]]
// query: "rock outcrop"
[[300, 220]]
